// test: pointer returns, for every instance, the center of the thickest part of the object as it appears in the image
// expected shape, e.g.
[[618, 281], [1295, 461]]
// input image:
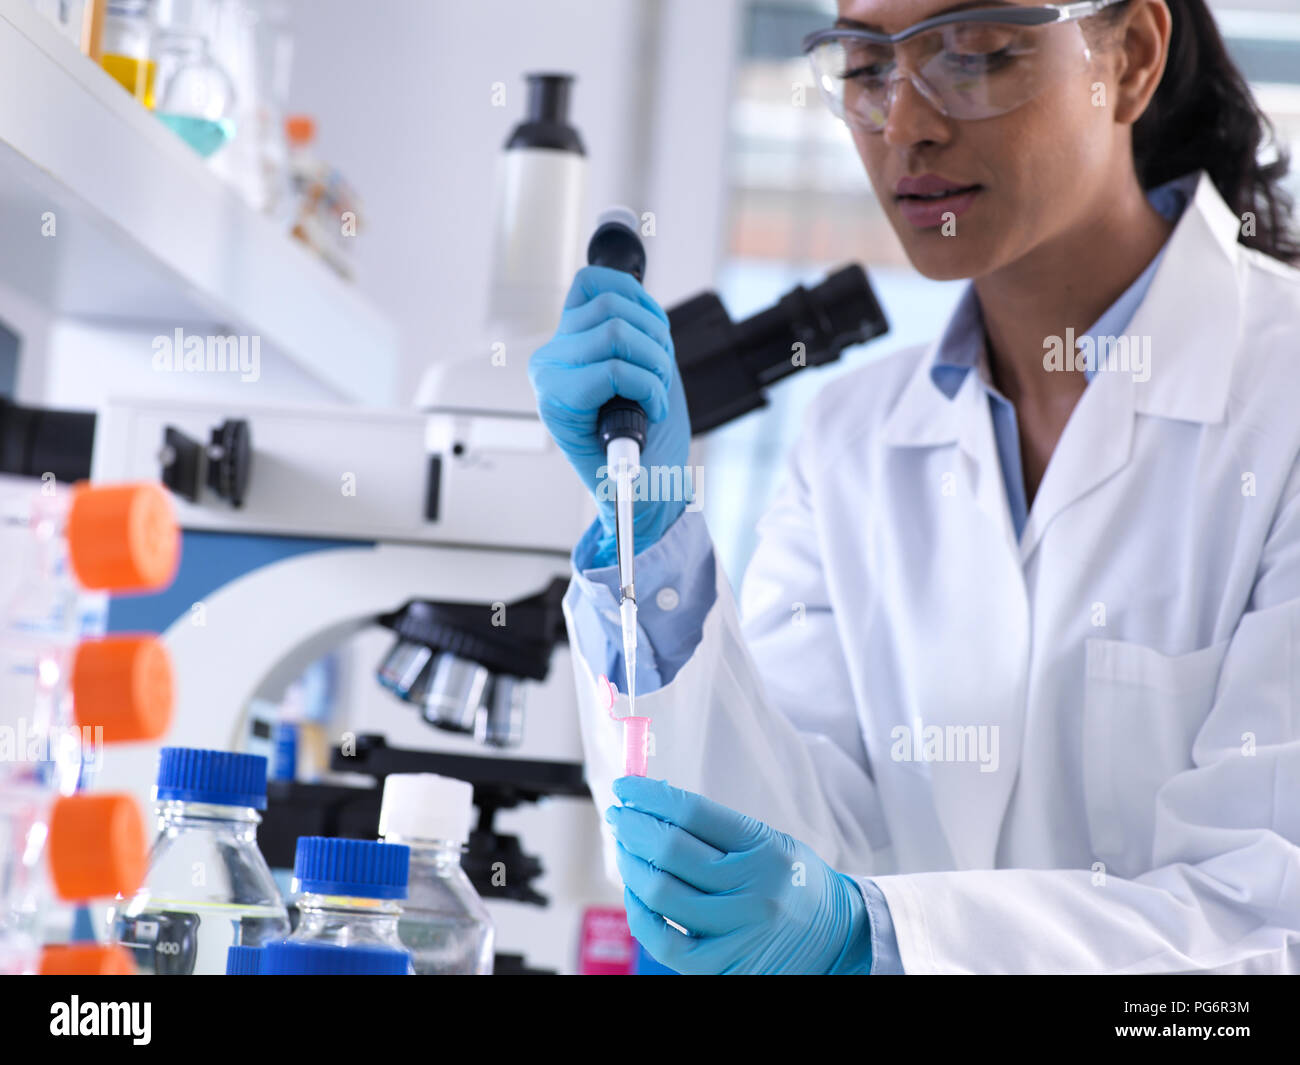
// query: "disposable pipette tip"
[[627, 614]]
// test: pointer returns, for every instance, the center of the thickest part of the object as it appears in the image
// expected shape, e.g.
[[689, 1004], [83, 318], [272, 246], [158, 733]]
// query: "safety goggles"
[[969, 64]]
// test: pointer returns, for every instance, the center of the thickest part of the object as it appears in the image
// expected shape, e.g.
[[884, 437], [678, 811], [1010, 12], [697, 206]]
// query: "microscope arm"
[[256, 634]]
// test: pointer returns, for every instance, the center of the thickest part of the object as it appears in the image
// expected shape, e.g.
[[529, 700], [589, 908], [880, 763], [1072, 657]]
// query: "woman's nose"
[[913, 117]]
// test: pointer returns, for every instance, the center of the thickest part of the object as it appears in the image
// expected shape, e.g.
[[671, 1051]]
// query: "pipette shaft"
[[623, 457]]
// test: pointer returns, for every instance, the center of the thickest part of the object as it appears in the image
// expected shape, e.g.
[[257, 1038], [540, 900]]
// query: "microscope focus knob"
[[230, 456]]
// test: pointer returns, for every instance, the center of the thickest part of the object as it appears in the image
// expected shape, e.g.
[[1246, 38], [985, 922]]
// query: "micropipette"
[[621, 426]]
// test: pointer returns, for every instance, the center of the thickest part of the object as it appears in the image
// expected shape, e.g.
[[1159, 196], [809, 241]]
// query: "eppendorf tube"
[[636, 733], [636, 741]]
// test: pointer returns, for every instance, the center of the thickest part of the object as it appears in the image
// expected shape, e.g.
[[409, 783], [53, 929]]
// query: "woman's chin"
[[944, 261]]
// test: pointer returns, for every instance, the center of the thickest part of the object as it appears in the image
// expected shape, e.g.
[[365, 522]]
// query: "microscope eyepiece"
[[725, 365]]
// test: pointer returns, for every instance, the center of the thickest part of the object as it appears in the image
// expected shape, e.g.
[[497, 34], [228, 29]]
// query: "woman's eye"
[[872, 72], [979, 62], [865, 63]]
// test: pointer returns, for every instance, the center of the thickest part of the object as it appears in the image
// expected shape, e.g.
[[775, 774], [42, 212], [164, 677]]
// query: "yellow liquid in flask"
[[134, 75]]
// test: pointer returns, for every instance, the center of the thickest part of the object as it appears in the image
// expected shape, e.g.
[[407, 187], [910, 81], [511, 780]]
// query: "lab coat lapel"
[[925, 417], [1192, 355], [1190, 361], [1096, 443], [979, 449]]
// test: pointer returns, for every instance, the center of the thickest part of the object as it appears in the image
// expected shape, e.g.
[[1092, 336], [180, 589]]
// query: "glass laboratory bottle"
[[347, 891], [208, 886], [195, 96], [444, 923], [126, 44]]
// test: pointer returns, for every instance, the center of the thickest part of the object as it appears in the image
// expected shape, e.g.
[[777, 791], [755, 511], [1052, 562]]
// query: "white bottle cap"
[[426, 806]]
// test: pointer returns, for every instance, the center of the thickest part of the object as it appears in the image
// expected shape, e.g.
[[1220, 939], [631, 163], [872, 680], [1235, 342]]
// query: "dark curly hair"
[[1204, 117]]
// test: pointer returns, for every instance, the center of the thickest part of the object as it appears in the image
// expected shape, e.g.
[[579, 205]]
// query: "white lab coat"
[[1137, 652]]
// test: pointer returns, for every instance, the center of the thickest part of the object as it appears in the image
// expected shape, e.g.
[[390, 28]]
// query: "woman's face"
[[1041, 170]]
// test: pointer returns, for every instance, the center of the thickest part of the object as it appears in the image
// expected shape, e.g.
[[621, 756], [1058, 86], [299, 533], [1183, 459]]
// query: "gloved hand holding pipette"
[[608, 374], [613, 340]]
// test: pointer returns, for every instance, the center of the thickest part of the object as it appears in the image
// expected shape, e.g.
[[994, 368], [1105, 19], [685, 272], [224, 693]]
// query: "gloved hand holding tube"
[[709, 890]]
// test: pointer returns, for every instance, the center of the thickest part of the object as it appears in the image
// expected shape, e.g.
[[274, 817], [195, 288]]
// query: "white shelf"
[[145, 233]]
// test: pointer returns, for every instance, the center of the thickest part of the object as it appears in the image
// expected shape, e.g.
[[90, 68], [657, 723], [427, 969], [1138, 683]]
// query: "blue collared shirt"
[[675, 576]]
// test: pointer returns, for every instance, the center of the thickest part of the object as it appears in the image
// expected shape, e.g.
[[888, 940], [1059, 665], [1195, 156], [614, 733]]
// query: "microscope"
[[448, 526]]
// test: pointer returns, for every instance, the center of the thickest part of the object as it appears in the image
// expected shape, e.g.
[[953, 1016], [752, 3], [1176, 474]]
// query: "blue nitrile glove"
[[613, 340], [754, 899]]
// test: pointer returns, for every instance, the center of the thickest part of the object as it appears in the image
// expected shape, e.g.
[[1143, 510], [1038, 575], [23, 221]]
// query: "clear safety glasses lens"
[[966, 70]]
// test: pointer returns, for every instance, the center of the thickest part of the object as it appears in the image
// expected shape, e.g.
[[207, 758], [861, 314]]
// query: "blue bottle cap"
[[223, 778], [361, 867], [244, 961], [289, 958]]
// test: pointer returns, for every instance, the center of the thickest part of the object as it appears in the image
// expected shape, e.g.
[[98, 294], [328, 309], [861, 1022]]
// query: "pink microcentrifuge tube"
[[636, 732]]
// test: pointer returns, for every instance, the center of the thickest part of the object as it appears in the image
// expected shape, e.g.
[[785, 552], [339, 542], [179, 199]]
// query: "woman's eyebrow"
[[854, 24]]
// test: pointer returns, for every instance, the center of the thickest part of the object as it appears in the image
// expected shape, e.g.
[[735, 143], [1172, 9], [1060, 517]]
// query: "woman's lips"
[[928, 212]]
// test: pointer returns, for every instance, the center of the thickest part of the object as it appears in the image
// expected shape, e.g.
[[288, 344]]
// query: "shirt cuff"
[[886, 960], [856, 958], [676, 588]]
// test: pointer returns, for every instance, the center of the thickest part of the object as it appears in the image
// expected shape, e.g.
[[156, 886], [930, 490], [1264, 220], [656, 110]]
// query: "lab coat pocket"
[[1142, 711]]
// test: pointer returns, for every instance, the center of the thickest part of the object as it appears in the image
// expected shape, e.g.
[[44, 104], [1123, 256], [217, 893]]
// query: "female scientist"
[[1014, 684]]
